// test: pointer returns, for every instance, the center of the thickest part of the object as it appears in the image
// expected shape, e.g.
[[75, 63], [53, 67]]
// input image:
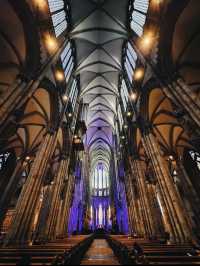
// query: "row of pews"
[[61, 252], [140, 251]]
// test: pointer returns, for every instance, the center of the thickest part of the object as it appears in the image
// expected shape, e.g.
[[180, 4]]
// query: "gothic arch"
[[159, 114], [37, 116], [20, 49]]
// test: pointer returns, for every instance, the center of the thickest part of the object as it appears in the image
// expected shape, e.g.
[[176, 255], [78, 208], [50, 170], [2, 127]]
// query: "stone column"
[[10, 189], [189, 194], [138, 212], [173, 208], [168, 222], [139, 218], [43, 214], [129, 200], [142, 195], [162, 195], [155, 209], [142, 212], [142, 184], [133, 225], [66, 207], [20, 231], [50, 228], [132, 208], [132, 220]]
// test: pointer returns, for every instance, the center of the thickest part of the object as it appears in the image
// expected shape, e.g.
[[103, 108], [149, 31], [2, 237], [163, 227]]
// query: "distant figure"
[[116, 229], [167, 237], [137, 250]]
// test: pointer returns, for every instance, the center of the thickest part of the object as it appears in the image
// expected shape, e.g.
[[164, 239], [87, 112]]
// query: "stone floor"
[[100, 254]]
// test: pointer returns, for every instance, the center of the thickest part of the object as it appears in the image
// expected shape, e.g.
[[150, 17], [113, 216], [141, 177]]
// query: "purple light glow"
[[100, 217], [76, 217]]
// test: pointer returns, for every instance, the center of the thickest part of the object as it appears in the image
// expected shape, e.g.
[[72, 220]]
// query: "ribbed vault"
[[99, 30]]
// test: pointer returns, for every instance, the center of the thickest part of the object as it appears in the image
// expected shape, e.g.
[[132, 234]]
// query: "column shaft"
[[66, 207], [143, 194], [10, 190], [20, 231], [50, 228], [177, 217]]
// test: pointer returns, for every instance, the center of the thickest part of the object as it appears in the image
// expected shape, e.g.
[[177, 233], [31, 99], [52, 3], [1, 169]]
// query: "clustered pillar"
[[47, 230], [175, 218], [143, 212], [156, 208], [56, 202]]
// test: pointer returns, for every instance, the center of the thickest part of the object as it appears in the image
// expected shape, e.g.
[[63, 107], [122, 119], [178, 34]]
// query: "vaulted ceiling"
[[99, 29]]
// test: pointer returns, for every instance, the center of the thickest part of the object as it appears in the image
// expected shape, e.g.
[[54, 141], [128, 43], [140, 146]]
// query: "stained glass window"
[[58, 15], [73, 94], [67, 60], [120, 117], [3, 159], [139, 9], [124, 94], [196, 157], [100, 181], [130, 62]]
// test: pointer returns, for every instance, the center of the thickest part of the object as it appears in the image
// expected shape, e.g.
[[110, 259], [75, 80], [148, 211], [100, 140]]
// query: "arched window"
[[59, 16], [100, 181], [138, 12], [196, 157], [124, 94], [73, 94], [67, 59], [3, 159], [130, 60], [120, 118]]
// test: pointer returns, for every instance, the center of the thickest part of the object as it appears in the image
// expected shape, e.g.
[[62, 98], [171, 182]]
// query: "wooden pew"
[[46, 254], [152, 252]]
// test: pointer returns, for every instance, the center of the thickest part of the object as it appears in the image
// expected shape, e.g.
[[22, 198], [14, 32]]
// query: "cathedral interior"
[[99, 132]]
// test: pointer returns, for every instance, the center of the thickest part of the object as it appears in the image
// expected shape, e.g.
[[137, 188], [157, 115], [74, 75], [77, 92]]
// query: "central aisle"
[[100, 254]]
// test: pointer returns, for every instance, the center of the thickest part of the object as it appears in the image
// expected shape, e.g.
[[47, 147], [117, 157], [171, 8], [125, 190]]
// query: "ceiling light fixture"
[[51, 43], [147, 41], [59, 76], [129, 114], [133, 96], [139, 74], [41, 4], [65, 98], [28, 158]]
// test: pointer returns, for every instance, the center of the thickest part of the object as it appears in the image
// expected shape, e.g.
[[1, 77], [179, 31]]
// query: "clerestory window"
[[130, 59], [58, 15], [138, 10], [67, 59], [100, 181], [3, 159]]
